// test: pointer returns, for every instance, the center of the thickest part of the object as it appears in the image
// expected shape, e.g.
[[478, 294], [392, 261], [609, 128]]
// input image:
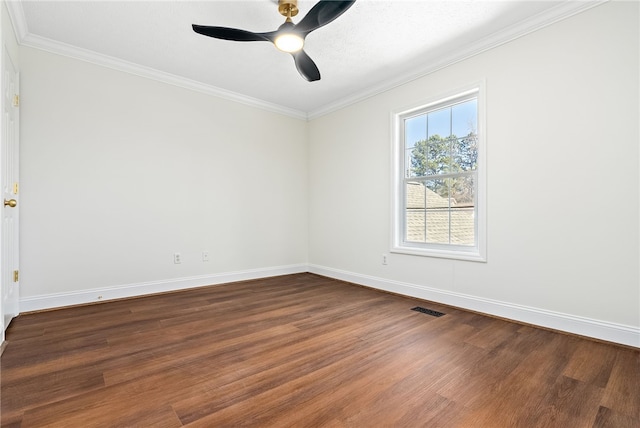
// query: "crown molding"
[[25, 38], [75, 52], [513, 32], [536, 22]]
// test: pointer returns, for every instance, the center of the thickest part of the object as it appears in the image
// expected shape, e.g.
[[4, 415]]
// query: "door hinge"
[[16, 100], [15, 188], [16, 275]]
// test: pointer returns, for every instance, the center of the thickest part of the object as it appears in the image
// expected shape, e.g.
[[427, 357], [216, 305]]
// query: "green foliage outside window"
[[446, 155]]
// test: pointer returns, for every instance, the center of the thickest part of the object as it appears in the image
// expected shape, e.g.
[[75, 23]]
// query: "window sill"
[[472, 255]]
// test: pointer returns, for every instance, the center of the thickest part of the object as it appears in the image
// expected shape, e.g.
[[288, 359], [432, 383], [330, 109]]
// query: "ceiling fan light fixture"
[[289, 37], [289, 42]]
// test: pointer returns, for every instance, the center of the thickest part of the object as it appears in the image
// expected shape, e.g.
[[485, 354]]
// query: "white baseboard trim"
[[57, 300], [611, 332]]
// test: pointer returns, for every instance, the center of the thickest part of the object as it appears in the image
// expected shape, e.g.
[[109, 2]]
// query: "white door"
[[9, 274]]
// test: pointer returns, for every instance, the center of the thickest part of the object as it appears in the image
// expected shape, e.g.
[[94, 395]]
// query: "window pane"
[[437, 212], [464, 118], [462, 191], [417, 160], [462, 210], [415, 212], [464, 153], [415, 147], [438, 155], [439, 123], [415, 129]]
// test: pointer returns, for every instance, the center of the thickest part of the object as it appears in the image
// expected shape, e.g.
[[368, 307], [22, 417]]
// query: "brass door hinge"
[[15, 188], [16, 275], [16, 100]]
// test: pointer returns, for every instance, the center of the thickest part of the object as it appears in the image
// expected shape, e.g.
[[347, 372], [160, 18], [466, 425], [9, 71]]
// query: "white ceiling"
[[373, 46]]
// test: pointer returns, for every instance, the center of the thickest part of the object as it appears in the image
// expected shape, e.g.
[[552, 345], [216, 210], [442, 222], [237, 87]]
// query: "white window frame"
[[476, 253]]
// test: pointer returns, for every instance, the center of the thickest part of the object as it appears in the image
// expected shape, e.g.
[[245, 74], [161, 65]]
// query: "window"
[[439, 178]]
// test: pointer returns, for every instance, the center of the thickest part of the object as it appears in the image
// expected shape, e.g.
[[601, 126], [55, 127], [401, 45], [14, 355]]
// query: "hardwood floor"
[[305, 351]]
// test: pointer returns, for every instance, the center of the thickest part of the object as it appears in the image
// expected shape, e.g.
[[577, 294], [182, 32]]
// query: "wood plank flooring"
[[305, 351]]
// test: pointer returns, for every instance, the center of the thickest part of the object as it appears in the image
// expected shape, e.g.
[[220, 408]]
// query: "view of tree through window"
[[441, 153]]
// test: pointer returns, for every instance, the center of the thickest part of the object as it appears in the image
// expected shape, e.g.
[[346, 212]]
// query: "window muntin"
[[436, 192]]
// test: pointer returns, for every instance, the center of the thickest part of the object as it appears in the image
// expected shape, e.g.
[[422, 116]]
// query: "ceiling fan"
[[289, 37]]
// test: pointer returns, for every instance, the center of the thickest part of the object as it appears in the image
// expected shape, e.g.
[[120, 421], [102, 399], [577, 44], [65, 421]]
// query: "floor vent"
[[427, 311]]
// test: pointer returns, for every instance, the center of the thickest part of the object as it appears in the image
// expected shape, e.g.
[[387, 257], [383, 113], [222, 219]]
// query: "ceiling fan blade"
[[306, 67], [229, 33], [323, 13]]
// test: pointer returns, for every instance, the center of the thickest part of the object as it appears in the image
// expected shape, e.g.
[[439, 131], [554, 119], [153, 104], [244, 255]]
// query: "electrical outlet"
[[177, 258], [384, 258], [205, 256]]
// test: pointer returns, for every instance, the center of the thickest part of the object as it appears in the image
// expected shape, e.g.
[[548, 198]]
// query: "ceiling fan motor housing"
[[288, 8]]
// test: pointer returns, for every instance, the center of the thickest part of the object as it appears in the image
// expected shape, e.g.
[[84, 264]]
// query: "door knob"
[[11, 202]]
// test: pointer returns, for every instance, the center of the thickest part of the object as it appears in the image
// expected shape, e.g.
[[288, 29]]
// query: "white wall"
[[119, 172], [562, 138]]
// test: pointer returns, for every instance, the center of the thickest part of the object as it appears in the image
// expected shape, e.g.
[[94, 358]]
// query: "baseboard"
[[607, 331], [602, 330], [57, 300]]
